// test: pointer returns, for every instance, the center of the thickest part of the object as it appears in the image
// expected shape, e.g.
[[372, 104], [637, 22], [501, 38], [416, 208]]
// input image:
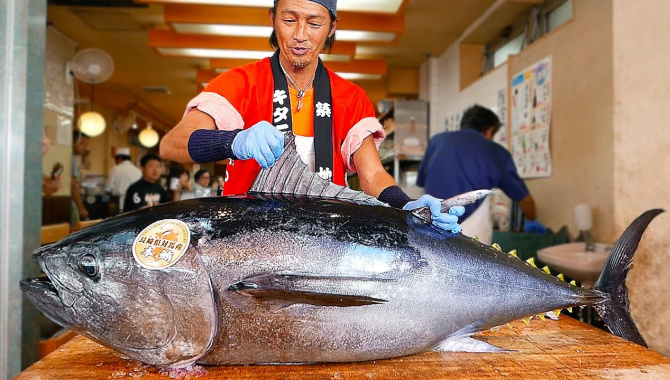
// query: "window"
[[529, 27], [559, 15], [510, 48]]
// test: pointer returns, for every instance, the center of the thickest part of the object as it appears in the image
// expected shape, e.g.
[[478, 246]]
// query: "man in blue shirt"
[[469, 159]]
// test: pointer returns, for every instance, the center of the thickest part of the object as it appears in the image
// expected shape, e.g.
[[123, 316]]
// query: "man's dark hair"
[[176, 170], [199, 174], [148, 157], [480, 119], [327, 47], [76, 135]]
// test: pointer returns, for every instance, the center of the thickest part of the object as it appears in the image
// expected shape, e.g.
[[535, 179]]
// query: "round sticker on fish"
[[161, 244]]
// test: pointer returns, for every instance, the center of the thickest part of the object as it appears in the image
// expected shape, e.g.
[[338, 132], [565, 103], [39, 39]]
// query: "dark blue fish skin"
[[335, 282]]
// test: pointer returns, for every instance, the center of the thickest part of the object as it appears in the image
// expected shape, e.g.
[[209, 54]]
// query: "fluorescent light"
[[363, 35], [374, 6], [359, 76], [265, 31], [224, 30], [215, 53], [236, 54], [370, 51]]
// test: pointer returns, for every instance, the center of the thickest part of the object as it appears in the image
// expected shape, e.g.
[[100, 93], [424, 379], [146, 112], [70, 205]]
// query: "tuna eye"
[[88, 265]]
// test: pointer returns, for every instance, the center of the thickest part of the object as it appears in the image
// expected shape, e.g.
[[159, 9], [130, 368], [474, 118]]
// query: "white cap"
[[123, 151]]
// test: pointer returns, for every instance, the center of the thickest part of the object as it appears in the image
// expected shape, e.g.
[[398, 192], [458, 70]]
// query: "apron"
[[480, 223]]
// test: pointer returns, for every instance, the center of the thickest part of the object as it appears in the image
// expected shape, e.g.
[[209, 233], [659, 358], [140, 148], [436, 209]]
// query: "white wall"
[[609, 138], [447, 99], [641, 159]]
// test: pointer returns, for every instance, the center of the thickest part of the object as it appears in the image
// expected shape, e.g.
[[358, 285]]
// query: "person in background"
[[468, 159], [201, 178], [146, 192], [79, 147], [122, 175], [179, 180], [217, 186], [243, 114], [50, 183]]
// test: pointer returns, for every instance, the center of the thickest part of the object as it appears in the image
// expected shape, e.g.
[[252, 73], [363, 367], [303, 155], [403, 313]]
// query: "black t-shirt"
[[140, 193]]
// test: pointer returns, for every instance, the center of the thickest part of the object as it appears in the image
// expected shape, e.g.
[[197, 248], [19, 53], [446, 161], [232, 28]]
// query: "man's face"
[[151, 172], [302, 27], [203, 180], [80, 146]]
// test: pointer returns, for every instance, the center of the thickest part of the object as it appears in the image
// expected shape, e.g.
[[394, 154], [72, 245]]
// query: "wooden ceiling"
[[126, 33]]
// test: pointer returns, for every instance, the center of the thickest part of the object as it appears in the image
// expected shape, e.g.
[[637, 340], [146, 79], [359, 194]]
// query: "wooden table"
[[564, 349]]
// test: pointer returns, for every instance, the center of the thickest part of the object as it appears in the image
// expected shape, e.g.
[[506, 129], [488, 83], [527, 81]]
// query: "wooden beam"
[[159, 38], [212, 14], [504, 15], [363, 66], [357, 6], [205, 75]]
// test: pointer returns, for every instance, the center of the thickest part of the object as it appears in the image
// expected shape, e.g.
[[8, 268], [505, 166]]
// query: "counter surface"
[[564, 349]]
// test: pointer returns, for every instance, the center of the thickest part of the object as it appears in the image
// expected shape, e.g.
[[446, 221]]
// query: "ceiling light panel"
[[245, 21], [235, 53], [265, 31], [197, 45], [372, 6]]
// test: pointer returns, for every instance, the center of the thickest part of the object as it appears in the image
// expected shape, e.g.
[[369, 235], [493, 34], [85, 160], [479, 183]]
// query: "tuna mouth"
[[39, 288], [43, 283], [44, 295]]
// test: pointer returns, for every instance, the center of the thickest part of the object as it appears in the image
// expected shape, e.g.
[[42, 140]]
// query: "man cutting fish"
[[243, 114]]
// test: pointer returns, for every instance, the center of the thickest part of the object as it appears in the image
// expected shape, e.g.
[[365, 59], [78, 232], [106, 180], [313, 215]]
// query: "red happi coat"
[[249, 90]]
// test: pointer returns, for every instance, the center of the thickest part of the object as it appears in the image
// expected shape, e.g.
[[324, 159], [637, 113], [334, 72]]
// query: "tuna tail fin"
[[614, 311]]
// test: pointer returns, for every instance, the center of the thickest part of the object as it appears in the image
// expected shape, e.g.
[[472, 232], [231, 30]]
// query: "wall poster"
[[531, 118]]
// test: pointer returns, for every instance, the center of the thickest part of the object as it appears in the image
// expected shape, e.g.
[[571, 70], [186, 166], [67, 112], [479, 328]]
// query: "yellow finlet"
[[527, 320], [531, 261], [561, 277], [541, 316], [495, 329], [573, 283], [510, 326], [546, 270], [569, 310], [513, 253], [475, 238], [557, 312], [496, 246]]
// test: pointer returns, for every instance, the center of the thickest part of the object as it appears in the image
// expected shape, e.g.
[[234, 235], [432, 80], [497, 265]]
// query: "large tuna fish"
[[296, 278]]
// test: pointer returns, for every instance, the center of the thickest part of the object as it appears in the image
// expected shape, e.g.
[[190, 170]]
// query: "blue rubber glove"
[[262, 142], [534, 227], [446, 221]]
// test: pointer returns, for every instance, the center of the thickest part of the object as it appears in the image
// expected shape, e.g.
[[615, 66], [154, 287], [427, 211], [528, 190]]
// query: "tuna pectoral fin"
[[467, 344], [614, 311], [277, 291]]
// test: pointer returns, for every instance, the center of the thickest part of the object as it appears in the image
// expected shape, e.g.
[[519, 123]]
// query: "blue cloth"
[[534, 227], [465, 160]]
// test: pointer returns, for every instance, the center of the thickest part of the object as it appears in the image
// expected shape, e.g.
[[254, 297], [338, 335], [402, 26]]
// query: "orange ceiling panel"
[[211, 14], [362, 66], [159, 38]]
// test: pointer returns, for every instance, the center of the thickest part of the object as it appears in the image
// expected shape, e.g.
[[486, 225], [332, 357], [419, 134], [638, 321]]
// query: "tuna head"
[[94, 285]]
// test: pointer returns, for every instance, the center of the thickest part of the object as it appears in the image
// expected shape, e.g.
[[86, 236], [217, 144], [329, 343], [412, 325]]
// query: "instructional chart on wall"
[[531, 118]]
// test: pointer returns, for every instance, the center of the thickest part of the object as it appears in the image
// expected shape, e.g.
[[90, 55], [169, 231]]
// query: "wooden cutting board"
[[564, 349]]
